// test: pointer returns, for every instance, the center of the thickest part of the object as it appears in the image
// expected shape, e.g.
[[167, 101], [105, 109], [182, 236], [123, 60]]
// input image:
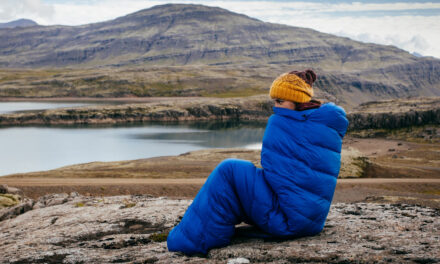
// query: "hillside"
[[18, 23], [210, 42]]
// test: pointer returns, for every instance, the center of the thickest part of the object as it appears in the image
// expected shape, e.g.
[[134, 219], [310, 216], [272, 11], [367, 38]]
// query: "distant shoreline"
[[96, 99], [387, 114]]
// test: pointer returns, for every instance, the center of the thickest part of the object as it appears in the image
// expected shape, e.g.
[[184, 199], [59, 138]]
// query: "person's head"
[[292, 88]]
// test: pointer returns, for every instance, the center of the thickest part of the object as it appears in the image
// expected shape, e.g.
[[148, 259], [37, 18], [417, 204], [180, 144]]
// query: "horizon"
[[409, 25]]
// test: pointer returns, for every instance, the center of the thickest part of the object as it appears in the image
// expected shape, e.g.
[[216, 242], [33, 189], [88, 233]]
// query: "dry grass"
[[197, 164], [186, 81]]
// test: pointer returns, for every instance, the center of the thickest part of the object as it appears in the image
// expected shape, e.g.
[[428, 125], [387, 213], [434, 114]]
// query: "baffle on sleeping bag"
[[289, 197]]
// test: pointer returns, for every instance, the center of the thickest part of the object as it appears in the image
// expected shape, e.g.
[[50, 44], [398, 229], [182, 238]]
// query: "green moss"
[[435, 192], [129, 205], [9, 200], [79, 204], [159, 237]]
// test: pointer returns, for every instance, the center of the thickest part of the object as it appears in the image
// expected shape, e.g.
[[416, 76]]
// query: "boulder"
[[17, 209], [6, 189], [11, 203]]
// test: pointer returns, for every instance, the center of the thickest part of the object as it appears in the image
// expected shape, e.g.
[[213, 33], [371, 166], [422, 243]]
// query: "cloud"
[[412, 33], [412, 26], [30, 9]]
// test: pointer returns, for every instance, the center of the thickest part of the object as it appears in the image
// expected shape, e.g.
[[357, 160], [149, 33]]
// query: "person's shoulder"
[[333, 108], [333, 116]]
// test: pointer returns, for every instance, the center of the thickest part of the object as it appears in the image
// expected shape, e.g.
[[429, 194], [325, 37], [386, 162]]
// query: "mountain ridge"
[[23, 22], [184, 34], [214, 41]]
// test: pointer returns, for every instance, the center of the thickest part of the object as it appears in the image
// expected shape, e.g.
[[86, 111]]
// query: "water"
[[11, 107], [25, 149]]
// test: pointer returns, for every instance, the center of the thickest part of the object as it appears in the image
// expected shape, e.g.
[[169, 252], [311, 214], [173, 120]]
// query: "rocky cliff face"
[[391, 114], [395, 114], [199, 109], [64, 228]]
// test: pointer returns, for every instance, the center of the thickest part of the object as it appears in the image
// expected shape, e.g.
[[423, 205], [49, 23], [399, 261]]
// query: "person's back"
[[291, 195]]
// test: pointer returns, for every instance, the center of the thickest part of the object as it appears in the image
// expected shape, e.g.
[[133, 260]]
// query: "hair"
[[309, 76]]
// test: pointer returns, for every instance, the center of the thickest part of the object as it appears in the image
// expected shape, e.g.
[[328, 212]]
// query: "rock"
[[12, 204], [6, 189], [17, 209], [102, 230], [55, 199], [3, 188], [395, 114], [353, 163], [238, 261]]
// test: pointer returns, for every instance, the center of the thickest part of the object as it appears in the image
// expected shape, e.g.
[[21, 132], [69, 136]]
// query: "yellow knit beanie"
[[294, 86]]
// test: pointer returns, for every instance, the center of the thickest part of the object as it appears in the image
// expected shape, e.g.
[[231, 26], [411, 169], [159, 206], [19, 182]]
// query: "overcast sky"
[[411, 25]]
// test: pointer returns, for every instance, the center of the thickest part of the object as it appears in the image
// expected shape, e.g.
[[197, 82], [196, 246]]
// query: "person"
[[290, 195]]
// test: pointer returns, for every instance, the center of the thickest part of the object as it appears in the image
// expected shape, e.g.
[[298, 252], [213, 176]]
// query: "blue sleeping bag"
[[289, 197]]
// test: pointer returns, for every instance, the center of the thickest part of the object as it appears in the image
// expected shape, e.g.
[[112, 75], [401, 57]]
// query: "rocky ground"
[[62, 228]]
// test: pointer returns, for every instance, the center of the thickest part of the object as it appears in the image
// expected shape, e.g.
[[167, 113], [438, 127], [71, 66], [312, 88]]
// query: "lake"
[[26, 149]]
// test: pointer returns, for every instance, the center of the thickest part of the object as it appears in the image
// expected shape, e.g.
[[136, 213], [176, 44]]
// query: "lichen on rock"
[[102, 232]]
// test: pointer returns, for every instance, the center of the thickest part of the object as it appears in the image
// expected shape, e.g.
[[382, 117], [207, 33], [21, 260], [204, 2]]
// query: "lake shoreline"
[[388, 114], [393, 171], [96, 99]]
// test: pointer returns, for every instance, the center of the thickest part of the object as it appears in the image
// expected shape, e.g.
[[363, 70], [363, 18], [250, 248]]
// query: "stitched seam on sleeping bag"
[[254, 181], [231, 185], [253, 194], [197, 239], [305, 216], [308, 122], [319, 145], [303, 161], [234, 189], [295, 208], [277, 199]]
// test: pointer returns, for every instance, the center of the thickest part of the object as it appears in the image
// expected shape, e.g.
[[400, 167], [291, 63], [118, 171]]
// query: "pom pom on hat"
[[294, 86]]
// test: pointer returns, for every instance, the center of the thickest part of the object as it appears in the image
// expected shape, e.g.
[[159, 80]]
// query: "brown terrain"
[[372, 170], [116, 212], [385, 210]]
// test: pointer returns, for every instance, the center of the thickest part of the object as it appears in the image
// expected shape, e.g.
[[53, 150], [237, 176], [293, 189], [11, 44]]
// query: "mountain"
[[204, 38], [19, 23], [176, 34]]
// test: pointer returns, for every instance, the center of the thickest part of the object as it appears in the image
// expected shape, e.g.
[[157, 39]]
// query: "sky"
[[410, 25]]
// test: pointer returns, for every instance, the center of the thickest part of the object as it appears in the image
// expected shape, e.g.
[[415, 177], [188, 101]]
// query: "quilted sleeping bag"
[[289, 197]]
